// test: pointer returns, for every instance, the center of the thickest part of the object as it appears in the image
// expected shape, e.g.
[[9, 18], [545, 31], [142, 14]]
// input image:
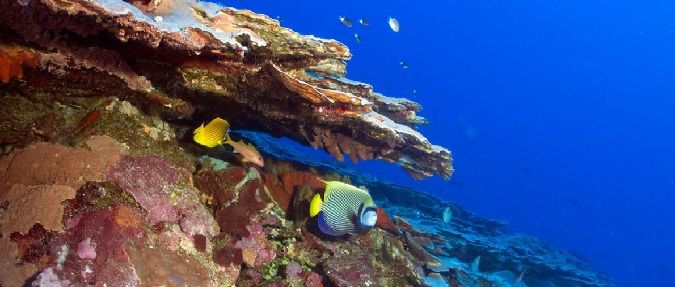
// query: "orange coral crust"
[[12, 61], [384, 222]]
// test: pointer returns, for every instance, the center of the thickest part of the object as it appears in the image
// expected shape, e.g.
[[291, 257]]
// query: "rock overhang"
[[200, 60]]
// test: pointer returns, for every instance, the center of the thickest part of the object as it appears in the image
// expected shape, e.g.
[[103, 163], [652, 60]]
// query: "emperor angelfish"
[[343, 209]]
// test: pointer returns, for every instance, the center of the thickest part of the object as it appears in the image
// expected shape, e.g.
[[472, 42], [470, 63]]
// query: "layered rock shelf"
[[192, 61]]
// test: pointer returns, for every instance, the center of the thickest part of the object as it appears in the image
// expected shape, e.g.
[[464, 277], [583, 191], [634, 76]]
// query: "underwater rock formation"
[[196, 60]]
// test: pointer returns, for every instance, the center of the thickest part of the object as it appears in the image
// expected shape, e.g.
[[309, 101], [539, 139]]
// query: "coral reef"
[[200, 59], [163, 190], [100, 183]]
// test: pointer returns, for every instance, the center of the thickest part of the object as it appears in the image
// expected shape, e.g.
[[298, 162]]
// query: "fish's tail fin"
[[315, 205]]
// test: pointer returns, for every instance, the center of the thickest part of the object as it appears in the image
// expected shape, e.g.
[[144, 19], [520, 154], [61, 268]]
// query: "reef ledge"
[[192, 61]]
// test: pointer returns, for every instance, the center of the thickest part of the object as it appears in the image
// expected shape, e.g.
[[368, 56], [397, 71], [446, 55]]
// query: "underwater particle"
[[404, 65], [447, 214], [343, 209], [247, 150], [346, 21], [357, 37], [393, 24], [212, 134], [364, 22]]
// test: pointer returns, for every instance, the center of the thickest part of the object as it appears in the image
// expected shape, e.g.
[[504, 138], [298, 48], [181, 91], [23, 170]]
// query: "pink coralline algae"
[[164, 190], [255, 249], [152, 181], [86, 250], [47, 278], [293, 270], [75, 257]]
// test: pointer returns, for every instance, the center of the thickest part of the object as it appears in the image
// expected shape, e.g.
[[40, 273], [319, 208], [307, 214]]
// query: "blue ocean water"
[[560, 114]]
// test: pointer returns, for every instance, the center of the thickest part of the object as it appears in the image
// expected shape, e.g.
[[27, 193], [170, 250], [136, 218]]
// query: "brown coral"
[[150, 265], [47, 163], [11, 273], [33, 204], [237, 201], [385, 223]]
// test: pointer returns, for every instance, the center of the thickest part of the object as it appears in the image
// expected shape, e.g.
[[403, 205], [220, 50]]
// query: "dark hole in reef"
[[244, 40]]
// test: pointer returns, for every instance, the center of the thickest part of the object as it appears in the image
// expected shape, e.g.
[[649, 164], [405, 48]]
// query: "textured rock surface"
[[200, 57], [28, 205]]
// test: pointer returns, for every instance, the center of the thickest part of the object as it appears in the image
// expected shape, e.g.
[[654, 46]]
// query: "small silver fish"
[[364, 22], [280, 19], [346, 21], [447, 214], [404, 65], [357, 37], [475, 265], [415, 94], [393, 24]]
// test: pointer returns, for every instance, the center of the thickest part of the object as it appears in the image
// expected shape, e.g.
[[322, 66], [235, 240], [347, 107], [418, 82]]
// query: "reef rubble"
[[100, 183]]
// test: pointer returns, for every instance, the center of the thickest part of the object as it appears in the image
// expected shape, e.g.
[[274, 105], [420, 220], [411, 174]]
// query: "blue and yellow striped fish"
[[343, 209]]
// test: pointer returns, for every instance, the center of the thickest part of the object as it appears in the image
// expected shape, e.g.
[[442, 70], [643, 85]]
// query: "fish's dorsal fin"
[[199, 129]]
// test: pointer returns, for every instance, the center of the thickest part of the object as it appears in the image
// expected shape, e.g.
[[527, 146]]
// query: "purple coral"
[[47, 278], [255, 248], [151, 181], [163, 190], [86, 250], [293, 271]]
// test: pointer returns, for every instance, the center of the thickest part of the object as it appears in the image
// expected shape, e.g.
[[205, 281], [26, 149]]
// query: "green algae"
[[130, 130], [210, 82]]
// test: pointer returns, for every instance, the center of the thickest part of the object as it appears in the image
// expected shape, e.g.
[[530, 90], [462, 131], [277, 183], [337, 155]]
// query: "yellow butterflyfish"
[[213, 134]]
